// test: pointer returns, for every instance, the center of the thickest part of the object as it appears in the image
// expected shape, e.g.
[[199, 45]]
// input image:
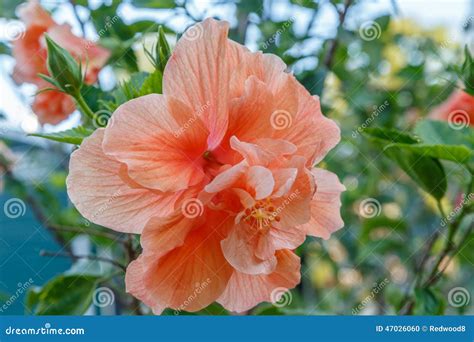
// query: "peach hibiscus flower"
[[457, 109], [30, 53], [216, 174]]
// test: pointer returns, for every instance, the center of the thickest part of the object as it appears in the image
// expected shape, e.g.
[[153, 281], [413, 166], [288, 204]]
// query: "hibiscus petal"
[[188, 278], [197, 73], [102, 194], [260, 179], [164, 142], [239, 250], [325, 206], [244, 291]]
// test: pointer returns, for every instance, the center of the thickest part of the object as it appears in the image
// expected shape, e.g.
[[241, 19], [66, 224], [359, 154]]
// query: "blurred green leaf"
[[428, 302], [427, 172], [66, 295], [440, 132], [71, 136], [152, 84], [154, 3]]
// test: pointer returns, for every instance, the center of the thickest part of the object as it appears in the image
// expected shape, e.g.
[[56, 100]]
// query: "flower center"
[[261, 215]]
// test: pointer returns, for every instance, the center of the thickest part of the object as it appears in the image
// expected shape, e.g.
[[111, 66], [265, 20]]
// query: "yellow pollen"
[[261, 215]]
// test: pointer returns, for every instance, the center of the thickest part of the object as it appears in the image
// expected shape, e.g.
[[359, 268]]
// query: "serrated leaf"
[[66, 295], [152, 84], [71, 136]]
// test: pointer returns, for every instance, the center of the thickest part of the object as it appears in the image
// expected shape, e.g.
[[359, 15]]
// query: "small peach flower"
[[30, 54], [457, 109], [233, 133]]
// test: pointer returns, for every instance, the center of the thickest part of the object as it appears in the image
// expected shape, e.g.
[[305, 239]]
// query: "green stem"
[[81, 103]]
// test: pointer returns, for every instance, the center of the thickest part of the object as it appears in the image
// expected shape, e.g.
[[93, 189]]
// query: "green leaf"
[[439, 132], [4, 49], [67, 295], [426, 171], [32, 298], [428, 302], [154, 3], [389, 135], [456, 153], [71, 136], [152, 84]]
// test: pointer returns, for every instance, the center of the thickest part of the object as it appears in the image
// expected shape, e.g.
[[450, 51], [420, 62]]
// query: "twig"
[[328, 60], [86, 231], [76, 257]]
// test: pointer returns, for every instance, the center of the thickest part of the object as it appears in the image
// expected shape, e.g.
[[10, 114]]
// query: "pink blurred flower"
[[457, 109], [30, 54], [217, 174]]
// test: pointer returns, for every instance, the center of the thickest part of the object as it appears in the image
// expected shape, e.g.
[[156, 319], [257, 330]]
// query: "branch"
[[328, 60], [77, 257]]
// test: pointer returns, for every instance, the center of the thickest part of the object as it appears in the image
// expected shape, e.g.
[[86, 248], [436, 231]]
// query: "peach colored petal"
[[325, 206], [244, 291], [197, 73], [100, 190], [189, 277], [459, 107], [163, 234], [160, 140], [239, 250], [260, 180], [226, 178], [31, 13], [263, 151]]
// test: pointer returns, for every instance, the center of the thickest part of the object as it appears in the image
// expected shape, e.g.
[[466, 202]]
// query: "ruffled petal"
[[244, 291], [164, 142], [101, 191], [325, 206]]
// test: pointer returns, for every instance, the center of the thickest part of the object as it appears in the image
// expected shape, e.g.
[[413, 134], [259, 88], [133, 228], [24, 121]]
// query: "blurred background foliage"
[[373, 80]]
